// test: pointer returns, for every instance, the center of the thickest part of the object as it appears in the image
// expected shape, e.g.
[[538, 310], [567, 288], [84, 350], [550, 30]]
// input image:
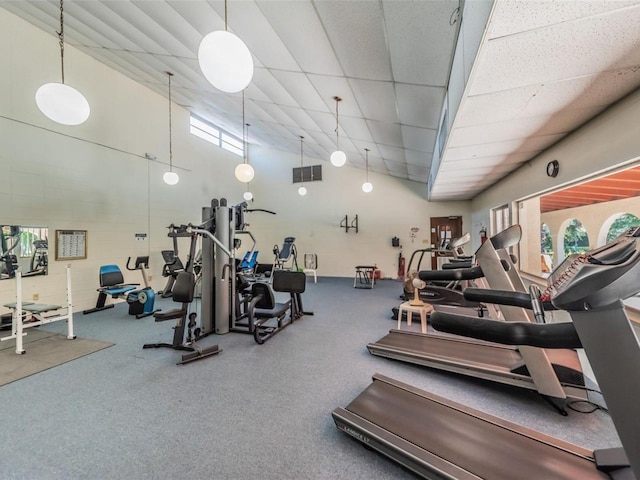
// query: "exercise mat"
[[44, 350]]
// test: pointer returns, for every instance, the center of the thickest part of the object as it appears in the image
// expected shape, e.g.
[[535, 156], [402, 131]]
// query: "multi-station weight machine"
[[223, 308]]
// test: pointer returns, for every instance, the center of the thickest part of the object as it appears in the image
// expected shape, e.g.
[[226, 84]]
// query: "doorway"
[[443, 230]]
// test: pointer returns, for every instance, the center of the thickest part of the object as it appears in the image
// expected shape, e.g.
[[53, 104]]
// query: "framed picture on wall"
[[71, 244]]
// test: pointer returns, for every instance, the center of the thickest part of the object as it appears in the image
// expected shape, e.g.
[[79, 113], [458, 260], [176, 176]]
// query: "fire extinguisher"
[[483, 235], [400, 267]]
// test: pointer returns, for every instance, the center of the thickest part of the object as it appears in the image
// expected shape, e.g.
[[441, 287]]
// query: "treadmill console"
[[599, 277]]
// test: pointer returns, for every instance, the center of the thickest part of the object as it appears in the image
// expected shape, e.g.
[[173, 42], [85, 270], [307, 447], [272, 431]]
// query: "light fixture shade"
[[338, 158], [244, 172], [62, 104], [302, 191], [248, 196], [225, 61], [170, 178], [367, 187]]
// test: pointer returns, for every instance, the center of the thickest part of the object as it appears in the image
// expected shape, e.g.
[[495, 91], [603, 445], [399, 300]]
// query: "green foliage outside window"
[[576, 239], [623, 223]]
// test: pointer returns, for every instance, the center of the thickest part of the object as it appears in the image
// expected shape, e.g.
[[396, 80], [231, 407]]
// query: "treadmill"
[[440, 439], [555, 374]]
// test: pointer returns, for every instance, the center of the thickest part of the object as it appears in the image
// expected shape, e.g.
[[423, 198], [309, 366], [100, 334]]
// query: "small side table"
[[423, 310], [365, 276]]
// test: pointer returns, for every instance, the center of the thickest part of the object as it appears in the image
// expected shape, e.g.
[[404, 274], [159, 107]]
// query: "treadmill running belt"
[[486, 446], [497, 356]]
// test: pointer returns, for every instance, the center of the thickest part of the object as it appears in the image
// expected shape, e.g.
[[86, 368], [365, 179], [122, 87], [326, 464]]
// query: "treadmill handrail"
[[503, 297], [542, 335], [452, 274]]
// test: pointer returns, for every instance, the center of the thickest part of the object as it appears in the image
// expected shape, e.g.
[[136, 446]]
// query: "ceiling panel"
[[420, 55], [415, 138], [305, 36], [385, 109], [416, 105], [357, 32]]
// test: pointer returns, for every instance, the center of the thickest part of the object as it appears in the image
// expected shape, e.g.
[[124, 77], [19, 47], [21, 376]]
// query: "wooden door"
[[443, 230]]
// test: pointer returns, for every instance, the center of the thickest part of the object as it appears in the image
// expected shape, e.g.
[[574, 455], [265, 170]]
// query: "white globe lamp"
[[302, 191], [367, 187], [170, 178], [248, 196], [62, 104], [338, 158], [225, 61], [244, 172]]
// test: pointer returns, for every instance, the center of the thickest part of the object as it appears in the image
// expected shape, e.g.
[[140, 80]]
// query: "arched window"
[[621, 224], [546, 249], [576, 239]]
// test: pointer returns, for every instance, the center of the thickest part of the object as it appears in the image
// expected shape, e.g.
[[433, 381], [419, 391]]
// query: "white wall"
[[609, 140], [392, 208], [94, 177]]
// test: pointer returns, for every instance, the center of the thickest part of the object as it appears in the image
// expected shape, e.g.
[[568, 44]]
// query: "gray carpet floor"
[[251, 412]]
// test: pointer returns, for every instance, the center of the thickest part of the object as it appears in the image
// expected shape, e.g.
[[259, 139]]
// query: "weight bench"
[[111, 284], [28, 314]]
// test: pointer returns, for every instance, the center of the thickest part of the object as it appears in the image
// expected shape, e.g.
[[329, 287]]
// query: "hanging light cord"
[[244, 138], [170, 132], [61, 37], [301, 162], [337, 123], [366, 161], [225, 15]]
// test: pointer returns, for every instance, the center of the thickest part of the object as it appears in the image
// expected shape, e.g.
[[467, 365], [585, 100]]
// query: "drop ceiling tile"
[[202, 16], [415, 138], [300, 118], [171, 25], [276, 113], [557, 52], [386, 133], [326, 121], [329, 87], [418, 158], [357, 34], [305, 36], [130, 27], [301, 89], [420, 106], [388, 152], [354, 128], [420, 55], [415, 170], [397, 169], [512, 17], [247, 22], [377, 100], [276, 93]]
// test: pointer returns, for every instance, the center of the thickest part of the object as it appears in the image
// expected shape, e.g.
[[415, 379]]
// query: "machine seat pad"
[[169, 314], [118, 289], [278, 310]]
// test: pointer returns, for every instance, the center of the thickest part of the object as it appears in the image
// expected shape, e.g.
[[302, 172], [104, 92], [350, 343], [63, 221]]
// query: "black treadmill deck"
[[438, 438]]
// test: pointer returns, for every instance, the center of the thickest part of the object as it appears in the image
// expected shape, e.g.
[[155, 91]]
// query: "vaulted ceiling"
[[543, 68]]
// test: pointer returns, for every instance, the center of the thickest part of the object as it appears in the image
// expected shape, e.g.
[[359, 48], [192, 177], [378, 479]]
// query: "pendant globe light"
[[302, 191], [225, 60], [367, 187], [248, 196], [338, 158], [170, 177], [60, 102], [244, 172]]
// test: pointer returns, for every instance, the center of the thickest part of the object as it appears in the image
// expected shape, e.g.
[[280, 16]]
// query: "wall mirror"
[[24, 249]]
